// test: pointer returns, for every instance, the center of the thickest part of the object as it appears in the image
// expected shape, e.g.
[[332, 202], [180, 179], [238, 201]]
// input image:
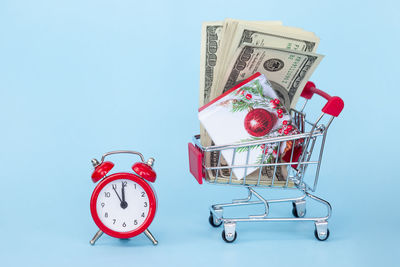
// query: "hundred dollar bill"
[[229, 40], [210, 43], [216, 42], [271, 36], [286, 70]]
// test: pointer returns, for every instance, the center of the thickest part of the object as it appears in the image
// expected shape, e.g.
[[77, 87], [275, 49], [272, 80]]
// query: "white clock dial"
[[122, 205]]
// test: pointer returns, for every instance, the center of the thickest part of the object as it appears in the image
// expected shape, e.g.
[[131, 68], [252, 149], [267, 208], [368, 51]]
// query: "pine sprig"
[[259, 88], [241, 105], [246, 148], [267, 159], [254, 89], [251, 147], [251, 138]]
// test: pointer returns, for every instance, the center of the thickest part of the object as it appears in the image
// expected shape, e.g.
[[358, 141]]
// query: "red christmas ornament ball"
[[259, 122]]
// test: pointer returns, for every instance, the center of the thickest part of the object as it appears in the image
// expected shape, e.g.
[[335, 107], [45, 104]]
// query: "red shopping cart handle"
[[333, 107]]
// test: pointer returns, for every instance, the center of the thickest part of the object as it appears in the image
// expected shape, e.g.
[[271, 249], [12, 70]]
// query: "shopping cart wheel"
[[213, 221], [321, 230], [299, 209], [325, 237], [228, 239]]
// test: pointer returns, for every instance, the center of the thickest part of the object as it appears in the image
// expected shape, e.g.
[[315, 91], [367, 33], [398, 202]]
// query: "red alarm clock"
[[124, 204]]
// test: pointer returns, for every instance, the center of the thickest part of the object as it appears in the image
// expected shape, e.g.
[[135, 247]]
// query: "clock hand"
[[123, 192], [124, 204], [113, 187]]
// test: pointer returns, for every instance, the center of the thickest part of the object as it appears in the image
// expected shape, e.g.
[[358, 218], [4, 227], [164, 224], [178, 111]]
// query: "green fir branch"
[[246, 148], [251, 147], [251, 138], [255, 89], [259, 88], [260, 159], [267, 159], [241, 105]]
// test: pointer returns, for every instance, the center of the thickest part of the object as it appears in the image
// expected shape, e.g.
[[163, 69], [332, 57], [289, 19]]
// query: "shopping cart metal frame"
[[310, 132]]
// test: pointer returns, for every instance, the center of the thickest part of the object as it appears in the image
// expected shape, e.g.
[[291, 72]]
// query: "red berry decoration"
[[289, 127], [249, 96], [280, 115], [284, 122], [259, 122], [271, 101], [279, 111], [276, 101], [286, 132], [280, 130]]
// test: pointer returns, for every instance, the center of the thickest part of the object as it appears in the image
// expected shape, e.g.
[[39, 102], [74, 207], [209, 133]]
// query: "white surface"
[[137, 210]]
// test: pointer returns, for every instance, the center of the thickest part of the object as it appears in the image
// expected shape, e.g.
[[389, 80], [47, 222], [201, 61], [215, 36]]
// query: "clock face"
[[123, 205]]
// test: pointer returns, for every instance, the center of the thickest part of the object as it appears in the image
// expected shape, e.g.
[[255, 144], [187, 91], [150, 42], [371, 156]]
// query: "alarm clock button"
[[144, 171], [101, 170]]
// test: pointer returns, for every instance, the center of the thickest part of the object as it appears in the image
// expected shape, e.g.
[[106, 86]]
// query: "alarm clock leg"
[[96, 236], [151, 237]]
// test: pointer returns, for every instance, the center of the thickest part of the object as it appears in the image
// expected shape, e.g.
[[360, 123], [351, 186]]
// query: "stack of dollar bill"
[[233, 50]]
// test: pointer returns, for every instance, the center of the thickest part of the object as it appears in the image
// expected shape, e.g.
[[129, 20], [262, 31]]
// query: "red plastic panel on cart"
[[195, 162]]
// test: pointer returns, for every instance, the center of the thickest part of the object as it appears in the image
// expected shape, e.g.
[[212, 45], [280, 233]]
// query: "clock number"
[[114, 220], [143, 214], [135, 222], [145, 204], [106, 215], [102, 204], [143, 194], [114, 186], [135, 186], [124, 224], [107, 194]]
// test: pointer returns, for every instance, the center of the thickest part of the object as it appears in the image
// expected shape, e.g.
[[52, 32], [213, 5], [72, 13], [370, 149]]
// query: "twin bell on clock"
[[123, 204]]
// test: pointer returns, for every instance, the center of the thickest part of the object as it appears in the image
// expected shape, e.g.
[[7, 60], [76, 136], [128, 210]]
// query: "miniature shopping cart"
[[206, 163]]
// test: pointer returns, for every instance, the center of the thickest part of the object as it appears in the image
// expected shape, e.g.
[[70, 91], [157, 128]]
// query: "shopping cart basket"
[[206, 163]]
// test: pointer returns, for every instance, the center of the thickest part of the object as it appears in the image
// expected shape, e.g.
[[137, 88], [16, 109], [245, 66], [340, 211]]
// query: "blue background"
[[80, 78]]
